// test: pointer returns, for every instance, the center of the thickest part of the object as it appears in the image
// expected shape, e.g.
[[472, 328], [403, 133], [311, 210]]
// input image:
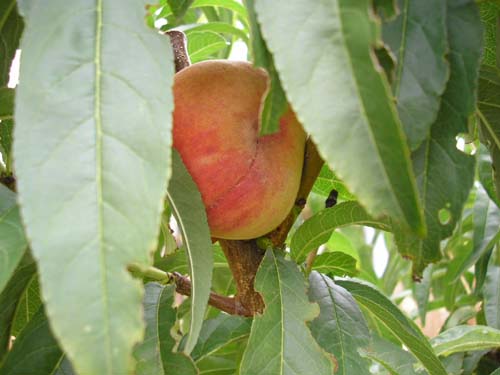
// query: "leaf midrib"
[[99, 186]]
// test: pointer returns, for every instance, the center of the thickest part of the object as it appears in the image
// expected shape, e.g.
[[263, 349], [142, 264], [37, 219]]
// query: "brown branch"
[[179, 45]]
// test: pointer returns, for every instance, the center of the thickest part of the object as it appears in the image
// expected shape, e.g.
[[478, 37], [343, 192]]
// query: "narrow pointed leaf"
[[486, 173], [280, 341], [489, 15], [486, 232], [179, 7], [11, 28], [466, 338], [445, 174], [27, 306], [274, 105], [335, 264], [396, 322], [491, 294], [317, 230], [10, 298], [393, 358], [13, 242], [203, 44], [35, 350], [6, 125], [327, 181], [92, 144], [219, 332], [189, 211], [342, 98], [340, 328], [154, 355], [488, 111], [418, 39]]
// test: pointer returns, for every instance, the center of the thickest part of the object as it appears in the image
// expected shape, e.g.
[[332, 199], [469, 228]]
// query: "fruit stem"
[[179, 44]]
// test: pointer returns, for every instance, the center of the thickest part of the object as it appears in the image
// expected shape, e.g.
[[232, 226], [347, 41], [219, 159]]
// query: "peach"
[[248, 183]]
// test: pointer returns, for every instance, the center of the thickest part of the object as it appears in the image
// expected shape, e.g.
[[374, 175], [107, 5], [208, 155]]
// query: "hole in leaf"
[[444, 216], [465, 143]]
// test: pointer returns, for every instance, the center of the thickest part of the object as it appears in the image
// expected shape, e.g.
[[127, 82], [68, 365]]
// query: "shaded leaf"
[[489, 15], [340, 328], [6, 125], [11, 28], [387, 9], [486, 232], [465, 338], [92, 145], [154, 355], [398, 324], [280, 342], [275, 104], [418, 39], [335, 264], [491, 294], [13, 242], [27, 306], [393, 358], [189, 212], [421, 292], [317, 230], [220, 332], [486, 173], [35, 351], [444, 174], [348, 106], [179, 7], [10, 299], [488, 103]]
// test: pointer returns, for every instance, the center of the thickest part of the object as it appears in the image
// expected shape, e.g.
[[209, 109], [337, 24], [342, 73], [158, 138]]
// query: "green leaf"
[[232, 5], [13, 242], [418, 39], [485, 173], [27, 306], [343, 99], [421, 292], [340, 328], [10, 299], [398, 324], [6, 125], [275, 103], [335, 264], [444, 174], [392, 357], [216, 27], [489, 15], [203, 44], [154, 355], [317, 230], [486, 232], [327, 181], [189, 211], [11, 28], [92, 146], [280, 342], [223, 362], [35, 350], [496, 372], [466, 338], [219, 332], [179, 7], [488, 111], [491, 294], [387, 9]]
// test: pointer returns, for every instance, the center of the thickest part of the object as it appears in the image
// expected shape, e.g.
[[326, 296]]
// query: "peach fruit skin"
[[248, 183]]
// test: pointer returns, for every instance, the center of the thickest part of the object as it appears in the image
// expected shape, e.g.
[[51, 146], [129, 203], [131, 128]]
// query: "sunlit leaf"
[[280, 342], [343, 100], [92, 147]]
